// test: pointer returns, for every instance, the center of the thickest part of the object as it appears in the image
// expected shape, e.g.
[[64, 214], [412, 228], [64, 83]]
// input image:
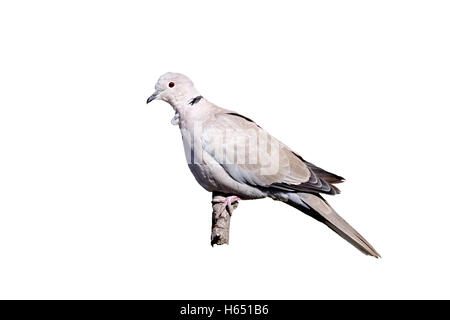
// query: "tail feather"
[[316, 207]]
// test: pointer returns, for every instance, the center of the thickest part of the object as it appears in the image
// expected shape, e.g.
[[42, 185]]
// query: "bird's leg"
[[227, 202], [223, 206]]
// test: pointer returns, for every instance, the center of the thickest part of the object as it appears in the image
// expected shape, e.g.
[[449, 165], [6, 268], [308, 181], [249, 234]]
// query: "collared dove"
[[230, 154]]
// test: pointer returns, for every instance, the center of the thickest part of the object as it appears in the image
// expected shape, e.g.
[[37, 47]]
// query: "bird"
[[229, 153]]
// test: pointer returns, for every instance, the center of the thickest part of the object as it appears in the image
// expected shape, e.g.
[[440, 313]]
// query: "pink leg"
[[226, 202]]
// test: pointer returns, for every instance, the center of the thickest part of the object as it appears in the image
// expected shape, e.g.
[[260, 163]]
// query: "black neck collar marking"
[[195, 100]]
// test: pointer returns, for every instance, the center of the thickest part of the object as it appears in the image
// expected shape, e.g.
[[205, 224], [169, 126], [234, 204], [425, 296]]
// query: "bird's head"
[[174, 88]]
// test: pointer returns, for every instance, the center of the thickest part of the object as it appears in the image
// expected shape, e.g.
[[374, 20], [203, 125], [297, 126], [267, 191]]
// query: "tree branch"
[[221, 216]]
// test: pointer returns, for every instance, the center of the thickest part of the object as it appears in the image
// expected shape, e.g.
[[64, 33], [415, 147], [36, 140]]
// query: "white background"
[[96, 200]]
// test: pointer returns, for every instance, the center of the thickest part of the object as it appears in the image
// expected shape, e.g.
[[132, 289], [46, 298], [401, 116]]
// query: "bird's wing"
[[251, 156]]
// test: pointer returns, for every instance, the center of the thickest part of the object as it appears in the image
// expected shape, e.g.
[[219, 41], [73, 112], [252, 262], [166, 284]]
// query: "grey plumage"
[[259, 165]]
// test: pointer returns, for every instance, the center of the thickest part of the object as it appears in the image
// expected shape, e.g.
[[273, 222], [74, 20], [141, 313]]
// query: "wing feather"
[[251, 156]]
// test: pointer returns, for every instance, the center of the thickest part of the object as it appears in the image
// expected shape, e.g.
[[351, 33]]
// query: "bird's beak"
[[153, 97]]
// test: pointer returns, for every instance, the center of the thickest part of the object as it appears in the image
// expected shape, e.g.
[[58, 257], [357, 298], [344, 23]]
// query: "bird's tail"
[[315, 206]]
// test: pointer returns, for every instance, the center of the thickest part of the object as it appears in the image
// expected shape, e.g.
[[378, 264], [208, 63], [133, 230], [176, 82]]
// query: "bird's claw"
[[227, 202]]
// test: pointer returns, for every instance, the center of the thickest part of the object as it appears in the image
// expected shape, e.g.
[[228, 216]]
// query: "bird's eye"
[[171, 84]]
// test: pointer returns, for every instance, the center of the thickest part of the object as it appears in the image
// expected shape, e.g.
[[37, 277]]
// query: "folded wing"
[[251, 156]]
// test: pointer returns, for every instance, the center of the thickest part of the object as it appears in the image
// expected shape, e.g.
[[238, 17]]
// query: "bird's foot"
[[227, 202]]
